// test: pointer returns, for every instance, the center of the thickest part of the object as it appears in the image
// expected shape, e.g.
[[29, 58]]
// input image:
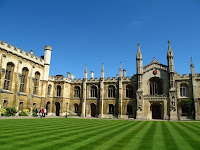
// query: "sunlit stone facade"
[[156, 91]]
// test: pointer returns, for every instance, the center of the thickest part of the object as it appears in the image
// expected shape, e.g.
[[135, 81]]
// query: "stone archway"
[[156, 111], [48, 107], [93, 109], [57, 108]]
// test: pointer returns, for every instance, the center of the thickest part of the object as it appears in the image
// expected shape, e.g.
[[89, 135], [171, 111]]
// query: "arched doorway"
[[156, 111], [48, 107], [57, 108], [93, 110]]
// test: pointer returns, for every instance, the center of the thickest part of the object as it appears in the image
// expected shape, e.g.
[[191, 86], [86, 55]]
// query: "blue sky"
[[93, 32]]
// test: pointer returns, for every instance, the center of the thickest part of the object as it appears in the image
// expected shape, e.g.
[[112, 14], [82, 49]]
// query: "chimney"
[[92, 74], [68, 75], [72, 76], [124, 73]]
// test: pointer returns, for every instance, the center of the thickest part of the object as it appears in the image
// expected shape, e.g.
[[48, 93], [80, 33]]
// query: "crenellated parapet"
[[182, 77], [21, 53]]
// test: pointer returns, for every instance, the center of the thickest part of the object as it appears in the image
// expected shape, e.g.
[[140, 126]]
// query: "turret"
[[120, 70], [170, 58], [192, 67], [139, 61], [47, 59], [85, 74], [102, 71]]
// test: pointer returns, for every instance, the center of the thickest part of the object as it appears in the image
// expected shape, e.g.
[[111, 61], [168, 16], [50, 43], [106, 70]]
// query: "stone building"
[[156, 91]]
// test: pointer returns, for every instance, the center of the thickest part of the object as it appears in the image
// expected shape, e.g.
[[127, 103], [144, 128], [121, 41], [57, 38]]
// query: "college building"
[[156, 91]]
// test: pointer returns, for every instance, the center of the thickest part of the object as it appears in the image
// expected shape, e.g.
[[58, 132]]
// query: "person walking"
[[42, 112], [45, 111], [36, 111], [39, 111]]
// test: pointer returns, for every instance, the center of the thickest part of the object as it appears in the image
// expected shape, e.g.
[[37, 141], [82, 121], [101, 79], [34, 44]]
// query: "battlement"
[[183, 75], [21, 53]]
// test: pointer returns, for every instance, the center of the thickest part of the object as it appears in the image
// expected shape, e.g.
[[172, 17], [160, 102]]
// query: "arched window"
[[5, 104], [129, 109], [36, 82], [111, 91], [184, 90], [129, 91], [8, 76], [76, 108], [49, 90], [93, 91], [77, 91], [111, 109], [58, 90], [23, 80], [21, 106], [156, 86]]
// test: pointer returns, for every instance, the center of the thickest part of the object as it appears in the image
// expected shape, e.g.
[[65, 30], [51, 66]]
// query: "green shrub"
[[3, 112], [10, 111], [24, 112], [33, 113]]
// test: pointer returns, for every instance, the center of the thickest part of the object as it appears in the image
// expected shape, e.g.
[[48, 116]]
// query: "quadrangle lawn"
[[98, 134]]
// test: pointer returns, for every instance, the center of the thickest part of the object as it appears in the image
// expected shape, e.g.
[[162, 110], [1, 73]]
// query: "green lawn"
[[98, 134]]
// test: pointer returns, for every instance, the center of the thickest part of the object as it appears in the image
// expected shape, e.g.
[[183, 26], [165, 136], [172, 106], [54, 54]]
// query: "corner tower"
[[172, 104], [139, 92], [47, 59]]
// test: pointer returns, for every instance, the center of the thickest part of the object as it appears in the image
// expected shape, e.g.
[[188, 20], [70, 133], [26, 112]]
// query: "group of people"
[[43, 111]]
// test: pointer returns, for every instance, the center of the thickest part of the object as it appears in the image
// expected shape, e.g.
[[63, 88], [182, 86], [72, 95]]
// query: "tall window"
[[8, 76], [36, 82], [93, 91], [155, 86], [49, 90], [23, 79], [111, 91], [111, 109], [77, 91], [20, 106], [58, 90], [5, 104], [129, 91], [184, 90]]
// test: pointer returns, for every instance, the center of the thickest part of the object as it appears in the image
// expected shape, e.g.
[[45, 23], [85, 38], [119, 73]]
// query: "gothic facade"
[[156, 91]]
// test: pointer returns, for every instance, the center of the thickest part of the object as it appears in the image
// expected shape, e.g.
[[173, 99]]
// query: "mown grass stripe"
[[169, 140], [135, 141], [33, 133], [30, 139], [96, 142], [178, 138], [122, 138], [192, 128], [191, 138], [56, 140], [68, 141], [158, 139], [30, 126], [147, 140]]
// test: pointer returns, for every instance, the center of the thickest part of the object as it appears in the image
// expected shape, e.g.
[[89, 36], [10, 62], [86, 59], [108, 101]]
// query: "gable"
[[154, 65]]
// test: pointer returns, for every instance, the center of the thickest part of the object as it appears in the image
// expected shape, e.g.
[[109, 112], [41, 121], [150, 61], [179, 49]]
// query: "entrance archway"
[[93, 110], [48, 107], [57, 108], [156, 111]]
